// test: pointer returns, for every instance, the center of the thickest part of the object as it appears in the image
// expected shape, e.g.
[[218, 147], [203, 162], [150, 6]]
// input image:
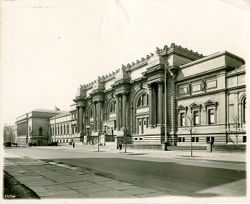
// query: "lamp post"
[[98, 140], [165, 106]]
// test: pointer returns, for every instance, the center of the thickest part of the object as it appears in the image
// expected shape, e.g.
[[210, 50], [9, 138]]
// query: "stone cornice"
[[200, 74], [212, 56], [182, 51], [236, 87], [153, 69]]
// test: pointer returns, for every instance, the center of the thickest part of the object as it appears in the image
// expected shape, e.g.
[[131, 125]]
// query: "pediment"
[[211, 103]]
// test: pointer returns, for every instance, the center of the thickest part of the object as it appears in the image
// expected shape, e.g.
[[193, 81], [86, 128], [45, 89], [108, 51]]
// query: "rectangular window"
[[244, 139], [211, 116], [179, 139], [196, 118], [183, 90], [193, 139], [182, 119], [211, 84], [197, 139], [183, 139], [210, 139], [115, 124], [196, 87]]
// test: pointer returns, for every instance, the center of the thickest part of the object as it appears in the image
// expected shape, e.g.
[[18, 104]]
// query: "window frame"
[[196, 115], [211, 112]]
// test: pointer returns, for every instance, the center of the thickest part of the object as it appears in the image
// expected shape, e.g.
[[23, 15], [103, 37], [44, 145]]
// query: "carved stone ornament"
[[189, 89], [203, 84]]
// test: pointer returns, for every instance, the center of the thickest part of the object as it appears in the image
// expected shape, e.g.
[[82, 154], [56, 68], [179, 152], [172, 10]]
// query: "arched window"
[[244, 110], [112, 107], [142, 100], [40, 131], [67, 128]]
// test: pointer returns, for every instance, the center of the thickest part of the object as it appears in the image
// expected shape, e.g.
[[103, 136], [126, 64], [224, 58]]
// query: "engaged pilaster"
[[117, 112], [124, 101], [150, 100], [160, 103]]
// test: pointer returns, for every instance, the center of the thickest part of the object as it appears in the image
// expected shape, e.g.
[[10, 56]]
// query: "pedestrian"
[[73, 144], [120, 146]]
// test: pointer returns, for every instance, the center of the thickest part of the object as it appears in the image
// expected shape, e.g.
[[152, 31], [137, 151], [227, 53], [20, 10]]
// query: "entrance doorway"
[[142, 124]]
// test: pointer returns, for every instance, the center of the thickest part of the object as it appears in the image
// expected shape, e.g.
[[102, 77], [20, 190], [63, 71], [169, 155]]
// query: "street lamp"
[[165, 104], [98, 140]]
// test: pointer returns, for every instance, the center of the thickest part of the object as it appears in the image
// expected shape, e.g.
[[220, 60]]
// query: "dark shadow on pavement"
[[180, 179]]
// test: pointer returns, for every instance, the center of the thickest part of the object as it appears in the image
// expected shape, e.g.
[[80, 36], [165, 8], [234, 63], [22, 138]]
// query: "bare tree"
[[9, 133], [189, 126], [236, 125], [125, 139]]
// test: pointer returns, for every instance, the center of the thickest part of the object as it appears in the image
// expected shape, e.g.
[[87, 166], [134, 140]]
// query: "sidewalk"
[[54, 180], [237, 157], [225, 160]]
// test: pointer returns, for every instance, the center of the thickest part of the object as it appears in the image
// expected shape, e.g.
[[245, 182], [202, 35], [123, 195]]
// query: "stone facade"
[[33, 127], [63, 127], [163, 98], [203, 94]]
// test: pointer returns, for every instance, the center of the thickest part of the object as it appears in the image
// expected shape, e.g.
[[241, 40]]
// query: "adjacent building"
[[37, 127], [163, 98]]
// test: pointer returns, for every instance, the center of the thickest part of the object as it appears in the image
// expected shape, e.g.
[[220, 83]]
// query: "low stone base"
[[145, 146]]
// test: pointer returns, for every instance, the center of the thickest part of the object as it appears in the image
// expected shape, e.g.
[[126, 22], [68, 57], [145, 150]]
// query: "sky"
[[50, 47]]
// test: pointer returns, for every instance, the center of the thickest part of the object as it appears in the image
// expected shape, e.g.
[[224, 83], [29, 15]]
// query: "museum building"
[[163, 98]]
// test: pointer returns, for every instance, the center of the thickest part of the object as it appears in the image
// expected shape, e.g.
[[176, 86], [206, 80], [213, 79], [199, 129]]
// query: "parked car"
[[53, 144], [7, 144]]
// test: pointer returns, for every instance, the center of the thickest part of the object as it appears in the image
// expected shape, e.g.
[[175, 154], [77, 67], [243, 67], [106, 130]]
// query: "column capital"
[[125, 93], [149, 85], [97, 101], [117, 95], [160, 82]]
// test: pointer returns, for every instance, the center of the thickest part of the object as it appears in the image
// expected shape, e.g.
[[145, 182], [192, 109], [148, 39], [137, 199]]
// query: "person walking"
[[120, 146]]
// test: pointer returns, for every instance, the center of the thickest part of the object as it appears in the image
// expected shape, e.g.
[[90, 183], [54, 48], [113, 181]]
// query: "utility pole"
[[98, 141], [165, 105]]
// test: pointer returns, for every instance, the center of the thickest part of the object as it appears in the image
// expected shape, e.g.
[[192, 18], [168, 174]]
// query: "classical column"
[[117, 112], [124, 100], [80, 119], [94, 116], [132, 119], [160, 102], [77, 119], [84, 121], [127, 113], [150, 101], [120, 111], [99, 115], [154, 106]]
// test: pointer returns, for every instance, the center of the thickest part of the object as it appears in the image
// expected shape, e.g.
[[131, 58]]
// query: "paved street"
[[82, 172]]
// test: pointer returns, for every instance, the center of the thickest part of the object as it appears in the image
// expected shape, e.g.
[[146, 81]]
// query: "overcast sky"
[[50, 47]]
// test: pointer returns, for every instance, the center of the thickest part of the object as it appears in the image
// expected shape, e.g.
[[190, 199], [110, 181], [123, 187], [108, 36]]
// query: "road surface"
[[180, 177]]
